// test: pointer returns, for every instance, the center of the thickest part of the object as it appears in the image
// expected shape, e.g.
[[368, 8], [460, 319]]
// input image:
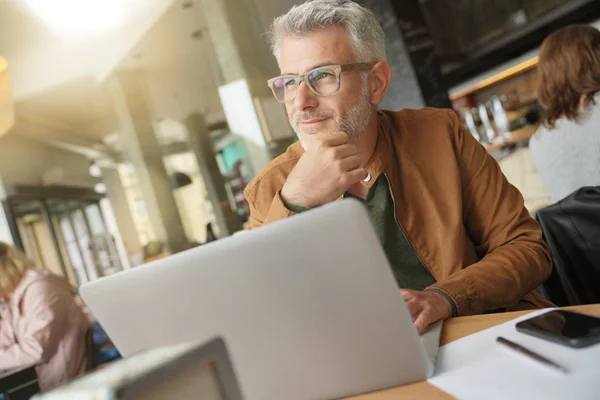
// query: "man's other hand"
[[426, 307]]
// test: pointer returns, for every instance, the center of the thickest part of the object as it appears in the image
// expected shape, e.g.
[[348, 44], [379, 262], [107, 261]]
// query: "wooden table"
[[456, 328]]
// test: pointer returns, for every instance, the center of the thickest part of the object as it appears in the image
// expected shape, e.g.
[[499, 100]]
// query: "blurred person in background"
[[566, 148], [40, 322]]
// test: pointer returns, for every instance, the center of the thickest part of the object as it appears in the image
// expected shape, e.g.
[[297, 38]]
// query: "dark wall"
[[404, 91], [472, 36]]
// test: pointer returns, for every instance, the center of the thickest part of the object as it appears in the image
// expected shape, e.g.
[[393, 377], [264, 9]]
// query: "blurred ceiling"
[[57, 79]]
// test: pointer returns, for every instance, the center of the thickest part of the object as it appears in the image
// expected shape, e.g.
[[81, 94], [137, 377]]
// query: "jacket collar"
[[382, 155]]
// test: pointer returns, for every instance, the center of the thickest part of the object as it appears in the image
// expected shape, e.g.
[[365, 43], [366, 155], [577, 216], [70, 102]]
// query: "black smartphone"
[[564, 327]]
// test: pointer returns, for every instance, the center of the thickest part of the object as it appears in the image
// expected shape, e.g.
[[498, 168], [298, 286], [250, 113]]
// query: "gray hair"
[[366, 35]]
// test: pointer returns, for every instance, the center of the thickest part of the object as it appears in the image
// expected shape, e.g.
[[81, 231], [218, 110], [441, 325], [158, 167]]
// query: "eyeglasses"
[[322, 81]]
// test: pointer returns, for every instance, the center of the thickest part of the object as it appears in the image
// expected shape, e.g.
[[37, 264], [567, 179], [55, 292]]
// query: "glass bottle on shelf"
[[489, 132], [500, 117], [471, 123]]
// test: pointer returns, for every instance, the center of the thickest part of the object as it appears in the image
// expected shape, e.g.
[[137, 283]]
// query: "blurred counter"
[[518, 136]]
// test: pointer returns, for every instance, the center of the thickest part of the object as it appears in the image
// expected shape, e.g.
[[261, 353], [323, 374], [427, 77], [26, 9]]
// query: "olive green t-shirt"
[[409, 271]]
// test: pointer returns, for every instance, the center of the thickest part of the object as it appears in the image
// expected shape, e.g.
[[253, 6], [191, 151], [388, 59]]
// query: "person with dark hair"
[[566, 148]]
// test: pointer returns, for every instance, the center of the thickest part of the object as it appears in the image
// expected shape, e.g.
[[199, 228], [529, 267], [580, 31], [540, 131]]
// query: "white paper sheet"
[[476, 367]]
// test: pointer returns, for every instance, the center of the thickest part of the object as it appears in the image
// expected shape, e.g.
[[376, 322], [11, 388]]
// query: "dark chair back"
[[572, 230], [21, 384], [90, 350]]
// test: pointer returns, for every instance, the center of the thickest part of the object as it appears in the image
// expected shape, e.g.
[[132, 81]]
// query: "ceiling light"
[[91, 17], [100, 188], [95, 170]]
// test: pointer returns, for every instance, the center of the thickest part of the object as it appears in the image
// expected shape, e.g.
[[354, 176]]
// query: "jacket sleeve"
[[514, 259], [39, 329], [276, 211]]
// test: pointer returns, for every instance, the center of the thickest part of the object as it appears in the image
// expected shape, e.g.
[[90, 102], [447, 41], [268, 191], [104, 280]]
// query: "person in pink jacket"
[[40, 322]]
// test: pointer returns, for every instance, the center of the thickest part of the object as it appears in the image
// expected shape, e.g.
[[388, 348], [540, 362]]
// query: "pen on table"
[[531, 354]]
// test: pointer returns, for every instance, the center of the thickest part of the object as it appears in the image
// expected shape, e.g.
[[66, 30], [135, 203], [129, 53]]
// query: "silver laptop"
[[180, 371], [308, 306]]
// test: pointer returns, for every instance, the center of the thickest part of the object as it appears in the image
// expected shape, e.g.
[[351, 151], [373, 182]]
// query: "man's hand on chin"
[[328, 167], [426, 307]]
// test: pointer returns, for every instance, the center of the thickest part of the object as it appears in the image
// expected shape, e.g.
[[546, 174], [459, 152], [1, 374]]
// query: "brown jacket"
[[465, 221]]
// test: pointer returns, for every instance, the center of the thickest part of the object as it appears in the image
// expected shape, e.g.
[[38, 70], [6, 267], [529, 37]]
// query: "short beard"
[[354, 122]]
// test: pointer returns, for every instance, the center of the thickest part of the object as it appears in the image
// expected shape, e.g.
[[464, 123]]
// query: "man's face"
[[348, 110]]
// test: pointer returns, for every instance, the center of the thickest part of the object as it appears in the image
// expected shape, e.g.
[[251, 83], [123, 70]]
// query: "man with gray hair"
[[456, 233]]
